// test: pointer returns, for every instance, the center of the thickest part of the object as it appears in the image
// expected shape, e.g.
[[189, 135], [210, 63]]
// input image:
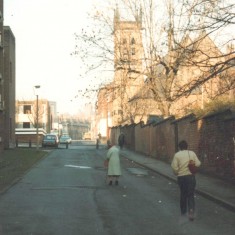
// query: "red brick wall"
[[139, 133], [209, 137], [164, 140], [129, 132], [29, 138], [216, 137]]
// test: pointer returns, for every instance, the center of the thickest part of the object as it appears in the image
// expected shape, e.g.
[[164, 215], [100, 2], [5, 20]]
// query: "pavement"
[[212, 188]]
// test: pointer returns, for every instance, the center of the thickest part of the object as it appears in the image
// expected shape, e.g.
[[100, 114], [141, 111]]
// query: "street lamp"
[[58, 118], [36, 91]]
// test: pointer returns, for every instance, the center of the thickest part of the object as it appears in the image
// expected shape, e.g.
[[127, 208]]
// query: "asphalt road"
[[67, 194]]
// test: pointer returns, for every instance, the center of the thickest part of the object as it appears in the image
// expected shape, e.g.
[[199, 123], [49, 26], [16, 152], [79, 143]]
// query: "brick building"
[[26, 114], [7, 84], [1, 80], [9, 87]]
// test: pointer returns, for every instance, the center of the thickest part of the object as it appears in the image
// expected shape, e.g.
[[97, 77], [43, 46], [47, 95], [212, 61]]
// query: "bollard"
[[30, 143], [67, 145], [16, 143]]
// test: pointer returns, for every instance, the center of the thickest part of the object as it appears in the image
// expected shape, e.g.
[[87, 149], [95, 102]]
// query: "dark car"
[[50, 140], [65, 139]]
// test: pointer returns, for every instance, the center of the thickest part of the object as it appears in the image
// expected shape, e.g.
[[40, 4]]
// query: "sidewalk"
[[212, 188]]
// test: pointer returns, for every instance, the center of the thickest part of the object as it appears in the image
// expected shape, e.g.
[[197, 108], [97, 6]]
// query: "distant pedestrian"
[[98, 141], [186, 180], [114, 167], [121, 140], [109, 144]]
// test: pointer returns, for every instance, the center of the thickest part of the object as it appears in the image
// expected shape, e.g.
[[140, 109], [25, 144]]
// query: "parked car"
[[50, 140], [65, 139], [87, 136]]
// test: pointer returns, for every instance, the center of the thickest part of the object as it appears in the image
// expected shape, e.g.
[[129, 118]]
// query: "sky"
[[44, 32]]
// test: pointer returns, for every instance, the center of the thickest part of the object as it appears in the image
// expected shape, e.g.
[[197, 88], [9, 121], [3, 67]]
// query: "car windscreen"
[[50, 137]]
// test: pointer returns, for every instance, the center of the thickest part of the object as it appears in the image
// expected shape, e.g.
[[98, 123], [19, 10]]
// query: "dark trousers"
[[187, 186]]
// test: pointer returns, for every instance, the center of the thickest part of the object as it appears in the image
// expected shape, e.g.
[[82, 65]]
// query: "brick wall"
[[210, 137], [29, 138], [164, 139], [139, 137], [216, 137]]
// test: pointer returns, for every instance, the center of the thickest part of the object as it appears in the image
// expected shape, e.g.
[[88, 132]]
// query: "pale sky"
[[44, 32]]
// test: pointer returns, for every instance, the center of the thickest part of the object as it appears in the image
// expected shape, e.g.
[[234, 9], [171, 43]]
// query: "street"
[[67, 193]]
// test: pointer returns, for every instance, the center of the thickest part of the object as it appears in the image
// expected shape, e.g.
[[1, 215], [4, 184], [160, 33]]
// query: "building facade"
[[7, 84], [29, 117], [9, 88], [26, 115], [1, 80]]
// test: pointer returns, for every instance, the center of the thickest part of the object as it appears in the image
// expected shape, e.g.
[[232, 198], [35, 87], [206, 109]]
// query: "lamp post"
[[37, 145], [58, 118]]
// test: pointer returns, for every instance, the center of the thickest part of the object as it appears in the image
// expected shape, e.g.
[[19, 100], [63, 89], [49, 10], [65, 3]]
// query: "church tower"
[[128, 68]]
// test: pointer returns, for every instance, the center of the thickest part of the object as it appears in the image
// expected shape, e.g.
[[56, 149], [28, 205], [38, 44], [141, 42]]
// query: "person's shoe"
[[191, 215], [116, 182], [110, 182]]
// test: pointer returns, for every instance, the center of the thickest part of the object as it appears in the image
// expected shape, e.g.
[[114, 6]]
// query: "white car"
[[65, 139]]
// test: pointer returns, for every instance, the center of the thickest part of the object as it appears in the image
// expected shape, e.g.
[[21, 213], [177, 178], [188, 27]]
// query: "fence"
[[27, 137]]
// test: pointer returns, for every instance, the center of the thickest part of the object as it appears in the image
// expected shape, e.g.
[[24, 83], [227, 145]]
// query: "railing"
[[26, 144]]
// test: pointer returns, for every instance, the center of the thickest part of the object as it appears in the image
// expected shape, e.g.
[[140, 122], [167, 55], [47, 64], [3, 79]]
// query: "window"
[[26, 124], [133, 51], [132, 41], [27, 109], [120, 112], [133, 65], [125, 51], [125, 54]]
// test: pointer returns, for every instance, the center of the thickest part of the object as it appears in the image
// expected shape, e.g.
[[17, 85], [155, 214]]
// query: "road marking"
[[80, 167]]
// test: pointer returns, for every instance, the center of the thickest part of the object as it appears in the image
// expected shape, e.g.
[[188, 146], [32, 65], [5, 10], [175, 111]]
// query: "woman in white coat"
[[114, 167]]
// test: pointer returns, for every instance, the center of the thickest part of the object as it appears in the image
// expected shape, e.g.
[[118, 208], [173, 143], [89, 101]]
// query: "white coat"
[[114, 167]]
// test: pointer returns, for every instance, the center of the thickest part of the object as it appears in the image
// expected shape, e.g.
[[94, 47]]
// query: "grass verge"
[[15, 162]]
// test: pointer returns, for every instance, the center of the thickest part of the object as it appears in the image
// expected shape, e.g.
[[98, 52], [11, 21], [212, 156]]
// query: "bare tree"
[[217, 20], [175, 38], [184, 43]]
